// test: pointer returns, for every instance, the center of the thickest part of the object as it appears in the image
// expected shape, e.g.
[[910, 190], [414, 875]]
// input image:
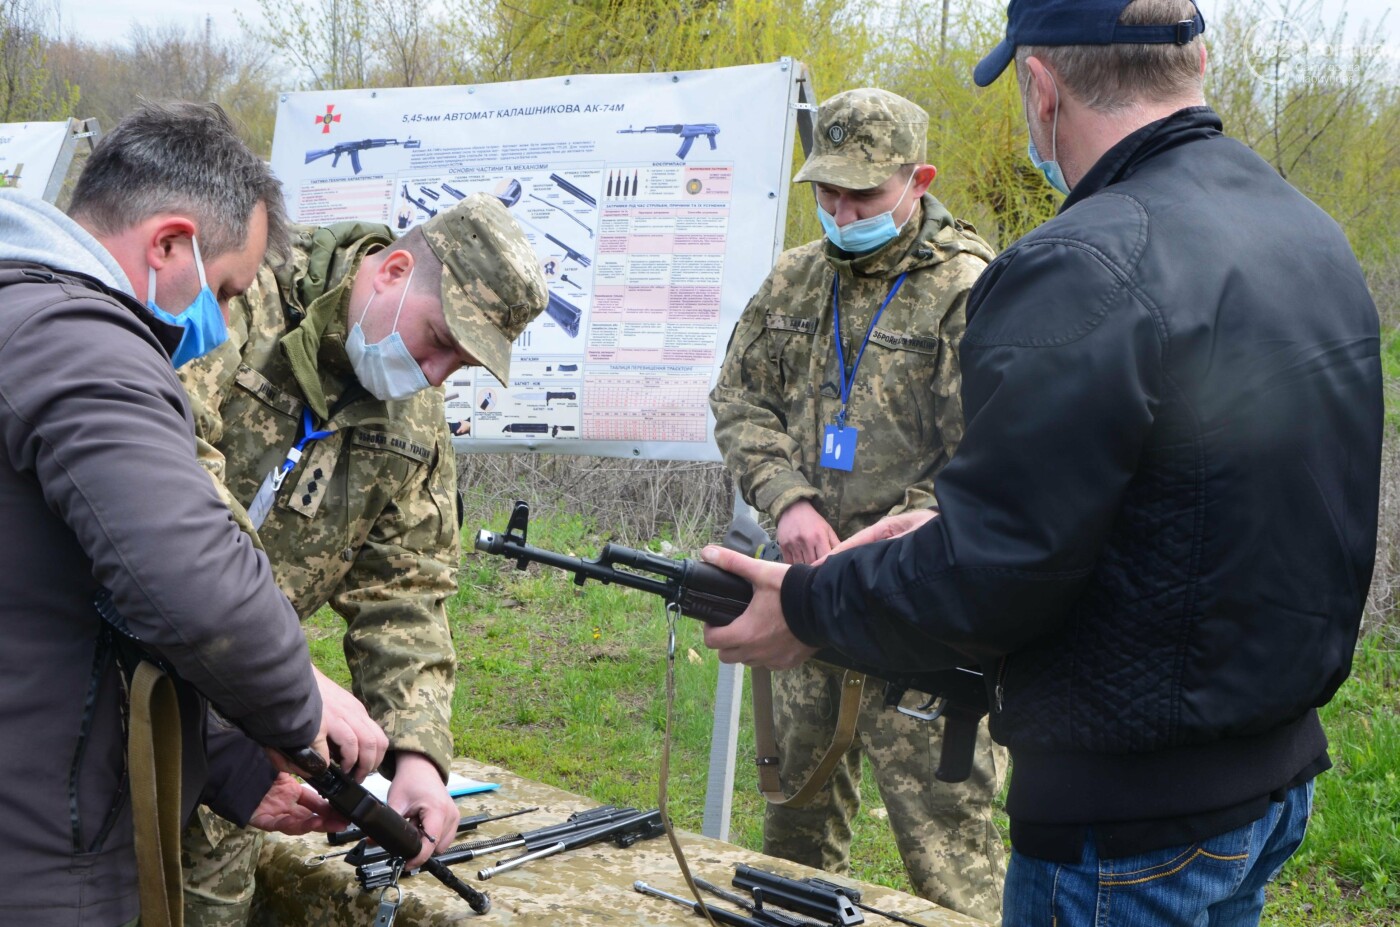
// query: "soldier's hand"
[[291, 808], [760, 636], [803, 535], [418, 794], [891, 526], [354, 741]]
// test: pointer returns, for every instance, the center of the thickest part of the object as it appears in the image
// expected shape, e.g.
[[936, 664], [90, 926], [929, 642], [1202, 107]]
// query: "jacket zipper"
[[1001, 683]]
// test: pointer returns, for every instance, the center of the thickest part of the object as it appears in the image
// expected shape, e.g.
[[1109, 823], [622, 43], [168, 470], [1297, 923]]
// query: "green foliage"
[[545, 38], [1328, 120], [977, 136], [1390, 369], [29, 89], [1354, 834]]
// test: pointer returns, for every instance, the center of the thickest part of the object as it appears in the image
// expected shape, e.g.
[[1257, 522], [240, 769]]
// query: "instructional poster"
[[28, 152], [654, 201]]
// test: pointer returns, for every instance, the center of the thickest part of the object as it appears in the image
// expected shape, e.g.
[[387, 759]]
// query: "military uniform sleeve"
[[750, 418], [961, 274], [398, 643], [208, 381]]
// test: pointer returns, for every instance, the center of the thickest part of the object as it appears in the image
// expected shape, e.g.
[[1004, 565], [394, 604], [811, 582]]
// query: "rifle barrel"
[[720, 915], [493, 543]]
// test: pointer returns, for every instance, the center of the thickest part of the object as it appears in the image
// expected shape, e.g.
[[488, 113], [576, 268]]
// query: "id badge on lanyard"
[[838, 450], [266, 496]]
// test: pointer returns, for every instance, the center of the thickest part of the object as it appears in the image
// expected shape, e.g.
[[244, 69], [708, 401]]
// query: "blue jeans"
[[1218, 882]]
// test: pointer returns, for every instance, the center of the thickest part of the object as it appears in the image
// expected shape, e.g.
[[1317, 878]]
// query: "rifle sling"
[[153, 762], [664, 776], [766, 744]]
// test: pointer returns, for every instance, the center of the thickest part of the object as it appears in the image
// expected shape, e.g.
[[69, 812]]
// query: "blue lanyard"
[[294, 453], [848, 380]]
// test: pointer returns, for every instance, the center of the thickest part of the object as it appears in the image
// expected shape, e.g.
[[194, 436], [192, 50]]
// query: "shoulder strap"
[[766, 744], [153, 760]]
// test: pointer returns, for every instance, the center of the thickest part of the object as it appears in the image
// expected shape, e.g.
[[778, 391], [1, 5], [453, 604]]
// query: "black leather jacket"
[[1158, 533]]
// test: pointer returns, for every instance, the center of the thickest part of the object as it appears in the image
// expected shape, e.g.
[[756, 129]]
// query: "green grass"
[[566, 686], [1348, 870], [1390, 367]]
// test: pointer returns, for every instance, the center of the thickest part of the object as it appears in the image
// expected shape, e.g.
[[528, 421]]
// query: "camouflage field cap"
[[864, 136], [492, 284]]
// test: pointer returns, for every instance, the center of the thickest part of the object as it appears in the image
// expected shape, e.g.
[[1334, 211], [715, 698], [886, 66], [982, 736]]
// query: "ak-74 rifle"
[[380, 823], [705, 592], [688, 131], [375, 819], [353, 149]]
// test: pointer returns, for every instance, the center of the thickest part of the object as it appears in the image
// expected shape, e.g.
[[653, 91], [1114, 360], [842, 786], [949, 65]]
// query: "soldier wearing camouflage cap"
[[895, 264], [334, 353]]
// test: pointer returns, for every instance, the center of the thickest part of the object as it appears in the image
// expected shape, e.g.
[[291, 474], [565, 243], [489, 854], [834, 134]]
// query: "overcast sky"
[[111, 20]]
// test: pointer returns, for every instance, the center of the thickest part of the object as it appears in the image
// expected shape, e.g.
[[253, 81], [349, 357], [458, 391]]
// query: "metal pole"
[[729, 688], [724, 737]]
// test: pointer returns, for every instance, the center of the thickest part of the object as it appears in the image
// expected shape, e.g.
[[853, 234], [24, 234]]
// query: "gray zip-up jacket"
[[99, 488]]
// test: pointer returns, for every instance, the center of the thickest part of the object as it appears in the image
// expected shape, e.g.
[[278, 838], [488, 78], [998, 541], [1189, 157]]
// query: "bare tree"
[[170, 62], [327, 40], [409, 41], [26, 90]]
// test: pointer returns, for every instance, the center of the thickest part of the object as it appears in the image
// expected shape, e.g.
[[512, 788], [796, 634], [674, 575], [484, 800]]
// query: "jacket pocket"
[[97, 775], [790, 352]]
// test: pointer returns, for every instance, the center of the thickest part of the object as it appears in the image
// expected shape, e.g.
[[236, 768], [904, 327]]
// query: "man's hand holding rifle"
[[739, 595], [760, 636]]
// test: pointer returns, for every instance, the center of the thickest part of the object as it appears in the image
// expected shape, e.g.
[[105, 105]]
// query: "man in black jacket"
[[1158, 533]]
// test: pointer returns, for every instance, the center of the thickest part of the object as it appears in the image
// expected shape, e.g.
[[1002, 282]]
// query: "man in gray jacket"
[[101, 496]]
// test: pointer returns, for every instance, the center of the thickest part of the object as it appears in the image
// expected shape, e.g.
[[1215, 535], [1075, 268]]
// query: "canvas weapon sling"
[[746, 536], [153, 762]]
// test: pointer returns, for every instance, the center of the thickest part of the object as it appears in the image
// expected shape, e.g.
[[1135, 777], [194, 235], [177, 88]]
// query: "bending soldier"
[[334, 354]]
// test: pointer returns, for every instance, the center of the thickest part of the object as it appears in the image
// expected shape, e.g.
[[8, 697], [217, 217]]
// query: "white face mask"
[[385, 368]]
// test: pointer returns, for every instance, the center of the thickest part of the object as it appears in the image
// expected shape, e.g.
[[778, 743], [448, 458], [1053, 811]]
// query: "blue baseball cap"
[[1076, 22]]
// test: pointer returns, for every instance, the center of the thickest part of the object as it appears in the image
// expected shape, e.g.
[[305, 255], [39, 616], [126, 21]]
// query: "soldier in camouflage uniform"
[[365, 520], [779, 390]]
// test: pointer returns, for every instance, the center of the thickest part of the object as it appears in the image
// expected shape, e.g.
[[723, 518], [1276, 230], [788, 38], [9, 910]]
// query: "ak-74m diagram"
[[353, 149], [688, 131]]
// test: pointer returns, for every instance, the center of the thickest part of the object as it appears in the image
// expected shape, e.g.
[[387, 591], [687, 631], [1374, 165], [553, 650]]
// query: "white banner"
[[655, 201], [28, 152]]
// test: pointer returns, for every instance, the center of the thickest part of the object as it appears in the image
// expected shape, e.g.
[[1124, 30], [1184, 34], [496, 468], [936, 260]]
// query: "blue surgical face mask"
[[1051, 168], [203, 321], [864, 234], [385, 368]]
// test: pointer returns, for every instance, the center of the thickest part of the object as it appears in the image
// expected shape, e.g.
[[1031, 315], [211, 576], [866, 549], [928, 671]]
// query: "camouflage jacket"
[[367, 520], [779, 386]]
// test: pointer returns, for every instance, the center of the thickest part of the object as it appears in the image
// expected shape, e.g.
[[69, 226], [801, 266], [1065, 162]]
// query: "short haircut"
[[1111, 77], [427, 267], [182, 158]]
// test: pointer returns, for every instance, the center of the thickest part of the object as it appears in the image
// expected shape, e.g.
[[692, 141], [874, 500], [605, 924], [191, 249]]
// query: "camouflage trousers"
[[944, 831], [220, 861]]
